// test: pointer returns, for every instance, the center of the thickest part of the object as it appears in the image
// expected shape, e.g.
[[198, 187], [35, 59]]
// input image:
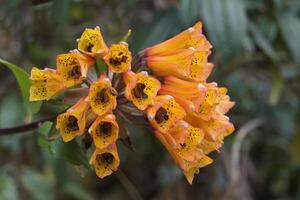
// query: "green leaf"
[[226, 23], [70, 151], [77, 190], [188, 11], [289, 25], [60, 12], [101, 67], [36, 185], [8, 188], [24, 84], [43, 134]]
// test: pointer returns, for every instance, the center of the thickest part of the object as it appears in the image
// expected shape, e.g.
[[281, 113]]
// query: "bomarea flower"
[[72, 123], [118, 58], [105, 161], [186, 113], [183, 142], [140, 88], [44, 84], [102, 96], [73, 67], [104, 130], [92, 43], [204, 99]]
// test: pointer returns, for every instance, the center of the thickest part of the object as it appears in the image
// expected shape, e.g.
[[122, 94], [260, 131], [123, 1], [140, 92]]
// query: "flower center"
[[102, 96], [89, 47], [75, 72], [161, 115], [118, 60], [72, 123], [138, 91], [105, 158], [105, 128]]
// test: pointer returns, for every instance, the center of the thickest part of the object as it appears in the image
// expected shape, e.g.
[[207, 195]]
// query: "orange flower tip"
[[227, 118], [201, 86], [215, 84], [191, 29], [144, 72], [192, 48]]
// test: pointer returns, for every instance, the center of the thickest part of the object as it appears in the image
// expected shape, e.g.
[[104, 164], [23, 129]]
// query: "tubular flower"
[[191, 37], [187, 152], [164, 113], [141, 89], [186, 64], [118, 58], [104, 130], [102, 96], [44, 84], [72, 123], [73, 67], [91, 43], [204, 99], [186, 113], [105, 161]]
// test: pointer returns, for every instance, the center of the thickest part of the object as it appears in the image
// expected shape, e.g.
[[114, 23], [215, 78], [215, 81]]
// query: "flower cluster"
[[186, 113]]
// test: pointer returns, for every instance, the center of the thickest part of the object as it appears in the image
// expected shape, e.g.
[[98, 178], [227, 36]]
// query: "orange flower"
[[105, 161], [45, 84], [73, 67], [118, 58], [186, 64], [214, 130], [102, 96], [104, 130], [92, 43], [141, 89], [191, 37], [164, 113], [72, 123], [183, 143], [205, 99]]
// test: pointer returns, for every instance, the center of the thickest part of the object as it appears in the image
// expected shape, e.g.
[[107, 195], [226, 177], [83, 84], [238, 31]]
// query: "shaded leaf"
[[8, 188], [24, 84]]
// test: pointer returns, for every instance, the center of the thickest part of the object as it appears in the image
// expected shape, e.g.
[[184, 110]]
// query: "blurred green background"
[[256, 55]]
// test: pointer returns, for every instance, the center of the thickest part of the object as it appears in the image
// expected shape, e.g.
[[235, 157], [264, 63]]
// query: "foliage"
[[256, 55]]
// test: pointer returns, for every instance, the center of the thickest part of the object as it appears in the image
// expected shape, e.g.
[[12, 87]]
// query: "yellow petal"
[[72, 123], [102, 96], [118, 58], [141, 89], [105, 161], [104, 130], [44, 84], [92, 43]]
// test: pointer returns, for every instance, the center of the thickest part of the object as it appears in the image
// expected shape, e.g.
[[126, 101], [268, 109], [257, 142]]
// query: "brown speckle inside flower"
[[104, 129], [105, 159], [75, 72], [72, 123], [161, 115], [138, 91], [118, 60], [89, 47], [102, 96]]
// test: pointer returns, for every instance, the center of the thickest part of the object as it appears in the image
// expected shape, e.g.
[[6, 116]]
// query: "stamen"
[[89, 47]]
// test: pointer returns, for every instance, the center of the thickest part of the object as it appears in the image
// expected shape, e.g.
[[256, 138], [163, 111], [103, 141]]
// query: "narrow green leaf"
[[24, 84], [289, 25]]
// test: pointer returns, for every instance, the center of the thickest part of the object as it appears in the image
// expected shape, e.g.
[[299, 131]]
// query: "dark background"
[[256, 55]]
